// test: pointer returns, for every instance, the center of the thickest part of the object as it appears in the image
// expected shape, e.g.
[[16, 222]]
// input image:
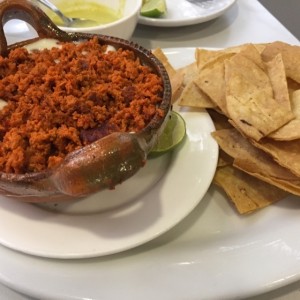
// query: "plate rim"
[[224, 250], [103, 245]]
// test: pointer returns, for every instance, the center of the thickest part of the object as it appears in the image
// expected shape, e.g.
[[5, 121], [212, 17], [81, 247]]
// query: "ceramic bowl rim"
[[108, 25]]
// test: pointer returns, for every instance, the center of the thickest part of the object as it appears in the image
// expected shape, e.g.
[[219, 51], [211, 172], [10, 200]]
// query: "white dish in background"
[[214, 253], [77, 231], [183, 13], [15, 27]]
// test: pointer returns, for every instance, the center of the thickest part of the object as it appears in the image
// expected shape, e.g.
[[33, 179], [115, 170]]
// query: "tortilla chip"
[[255, 161], [249, 99], [176, 78], [176, 84], [192, 96], [286, 153], [189, 72], [246, 192], [224, 159], [291, 130], [220, 120], [211, 80], [292, 86], [252, 168], [164, 60], [240, 48], [206, 56], [238, 147], [290, 55], [260, 47], [277, 76], [251, 52]]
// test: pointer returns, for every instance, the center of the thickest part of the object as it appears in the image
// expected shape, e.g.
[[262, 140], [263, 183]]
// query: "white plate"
[[15, 27], [214, 253], [185, 177], [183, 13]]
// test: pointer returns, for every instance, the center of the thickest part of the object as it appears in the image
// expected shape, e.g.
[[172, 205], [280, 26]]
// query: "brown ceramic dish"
[[100, 165]]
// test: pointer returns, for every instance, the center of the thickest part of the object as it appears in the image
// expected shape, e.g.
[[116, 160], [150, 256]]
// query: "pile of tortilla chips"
[[252, 93]]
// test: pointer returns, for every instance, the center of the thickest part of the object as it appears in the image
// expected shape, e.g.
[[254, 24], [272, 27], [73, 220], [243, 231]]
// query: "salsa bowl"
[[115, 17]]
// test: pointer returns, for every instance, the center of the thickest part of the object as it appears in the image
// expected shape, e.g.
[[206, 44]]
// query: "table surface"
[[247, 21], [286, 12]]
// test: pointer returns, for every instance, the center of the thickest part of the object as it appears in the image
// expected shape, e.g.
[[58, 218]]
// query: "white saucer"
[[15, 27], [187, 174], [183, 13]]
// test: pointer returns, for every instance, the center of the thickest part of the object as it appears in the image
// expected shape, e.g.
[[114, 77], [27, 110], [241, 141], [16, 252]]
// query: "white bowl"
[[122, 28]]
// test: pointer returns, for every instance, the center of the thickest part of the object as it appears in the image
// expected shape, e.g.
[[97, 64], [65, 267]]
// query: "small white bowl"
[[122, 28]]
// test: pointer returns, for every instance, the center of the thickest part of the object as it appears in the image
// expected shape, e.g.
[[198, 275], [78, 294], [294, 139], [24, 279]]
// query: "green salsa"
[[98, 13]]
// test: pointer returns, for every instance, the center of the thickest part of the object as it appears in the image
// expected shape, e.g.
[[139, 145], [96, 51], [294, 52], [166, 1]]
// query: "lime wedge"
[[172, 135], [153, 8]]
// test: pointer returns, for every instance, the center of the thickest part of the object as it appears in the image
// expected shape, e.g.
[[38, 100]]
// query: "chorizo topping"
[[63, 98]]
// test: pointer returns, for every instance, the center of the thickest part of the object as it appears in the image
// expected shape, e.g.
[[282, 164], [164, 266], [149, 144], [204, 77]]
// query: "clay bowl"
[[102, 164]]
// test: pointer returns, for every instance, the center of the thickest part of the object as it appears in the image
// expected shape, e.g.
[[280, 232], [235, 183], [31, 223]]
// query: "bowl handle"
[[101, 165], [29, 12]]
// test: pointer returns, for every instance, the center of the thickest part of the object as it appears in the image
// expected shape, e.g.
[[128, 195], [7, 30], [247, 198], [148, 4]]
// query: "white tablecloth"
[[246, 21]]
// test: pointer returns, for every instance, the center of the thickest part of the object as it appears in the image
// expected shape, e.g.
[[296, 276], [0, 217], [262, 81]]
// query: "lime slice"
[[172, 135], [153, 8]]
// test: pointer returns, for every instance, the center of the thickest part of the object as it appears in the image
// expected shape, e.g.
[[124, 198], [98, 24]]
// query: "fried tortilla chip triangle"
[[255, 161], [290, 55], [291, 130], [249, 99], [211, 80], [246, 192]]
